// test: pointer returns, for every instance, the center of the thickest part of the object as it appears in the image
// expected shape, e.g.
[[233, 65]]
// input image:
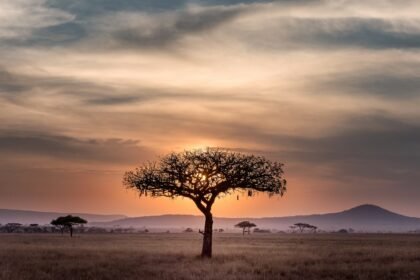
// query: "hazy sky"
[[92, 88]]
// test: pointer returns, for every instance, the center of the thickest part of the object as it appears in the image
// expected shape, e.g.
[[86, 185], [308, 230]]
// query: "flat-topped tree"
[[68, 222], [203, 176], [303, 226], [245, 226]]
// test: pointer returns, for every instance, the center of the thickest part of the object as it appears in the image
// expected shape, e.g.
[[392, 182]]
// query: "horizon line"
[[198, 215]]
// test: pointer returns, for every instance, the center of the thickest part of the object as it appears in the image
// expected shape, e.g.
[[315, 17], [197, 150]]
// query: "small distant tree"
[[300, 226], [203, 176], [303, 226], [245, 226], [68, 222]]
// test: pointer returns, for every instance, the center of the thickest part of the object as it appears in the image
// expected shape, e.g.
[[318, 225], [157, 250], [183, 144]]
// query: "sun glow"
[[202, 145], [202, 177]]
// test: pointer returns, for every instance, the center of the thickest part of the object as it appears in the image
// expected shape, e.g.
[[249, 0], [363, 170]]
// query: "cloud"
[[292, 33], [94, 8], [132, 24], [395, 86], [84, 9], [387, 79], [140, 30], [71, 149], [262, 27], [114, 100], [61, 34], [365, 148], [21, 89], [9, 83], [269, 25], [19, 18]]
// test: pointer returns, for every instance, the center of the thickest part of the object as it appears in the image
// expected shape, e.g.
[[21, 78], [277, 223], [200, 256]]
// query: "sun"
[[201, 145]]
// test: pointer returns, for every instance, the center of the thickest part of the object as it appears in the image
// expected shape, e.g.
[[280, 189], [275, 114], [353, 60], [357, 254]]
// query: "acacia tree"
[[303, 226], [246, 226], [203, 176], [68, 222]]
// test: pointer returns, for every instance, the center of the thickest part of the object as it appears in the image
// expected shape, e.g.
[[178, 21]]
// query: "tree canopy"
[[204, 175], [246, 226], [68, 222], [303, 226]]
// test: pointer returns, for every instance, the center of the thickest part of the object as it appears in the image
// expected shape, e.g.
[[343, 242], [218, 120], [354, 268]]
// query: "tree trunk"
[[207, 236], [243, 231], [71, 231]]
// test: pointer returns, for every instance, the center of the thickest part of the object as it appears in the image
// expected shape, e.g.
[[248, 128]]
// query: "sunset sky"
[[90, 89]]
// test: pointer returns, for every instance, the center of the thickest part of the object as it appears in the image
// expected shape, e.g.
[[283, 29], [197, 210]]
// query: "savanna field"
[[175, 256]]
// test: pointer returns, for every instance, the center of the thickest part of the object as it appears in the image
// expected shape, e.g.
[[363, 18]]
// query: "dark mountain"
[[28, 217], [368, 218]]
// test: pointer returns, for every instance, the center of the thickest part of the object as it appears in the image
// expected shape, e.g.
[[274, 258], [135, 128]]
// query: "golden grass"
[[174, 256]]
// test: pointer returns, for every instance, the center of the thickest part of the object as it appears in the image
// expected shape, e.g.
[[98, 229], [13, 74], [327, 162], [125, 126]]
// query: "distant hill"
[[368, 218], [28, 217]]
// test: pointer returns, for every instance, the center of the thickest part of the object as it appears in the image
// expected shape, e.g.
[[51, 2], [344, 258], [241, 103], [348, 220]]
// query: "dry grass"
[[174, 256]]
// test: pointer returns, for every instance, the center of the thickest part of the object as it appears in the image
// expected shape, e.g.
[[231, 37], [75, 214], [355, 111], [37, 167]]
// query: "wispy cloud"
[[68, 149], [291, 33], [19, 18]]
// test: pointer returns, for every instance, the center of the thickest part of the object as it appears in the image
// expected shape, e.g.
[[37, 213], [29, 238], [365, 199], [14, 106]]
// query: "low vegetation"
[[35, 228], [175, 256]]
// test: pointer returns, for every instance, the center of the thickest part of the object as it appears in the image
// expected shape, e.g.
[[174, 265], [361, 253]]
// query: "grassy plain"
[[174, 256]]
